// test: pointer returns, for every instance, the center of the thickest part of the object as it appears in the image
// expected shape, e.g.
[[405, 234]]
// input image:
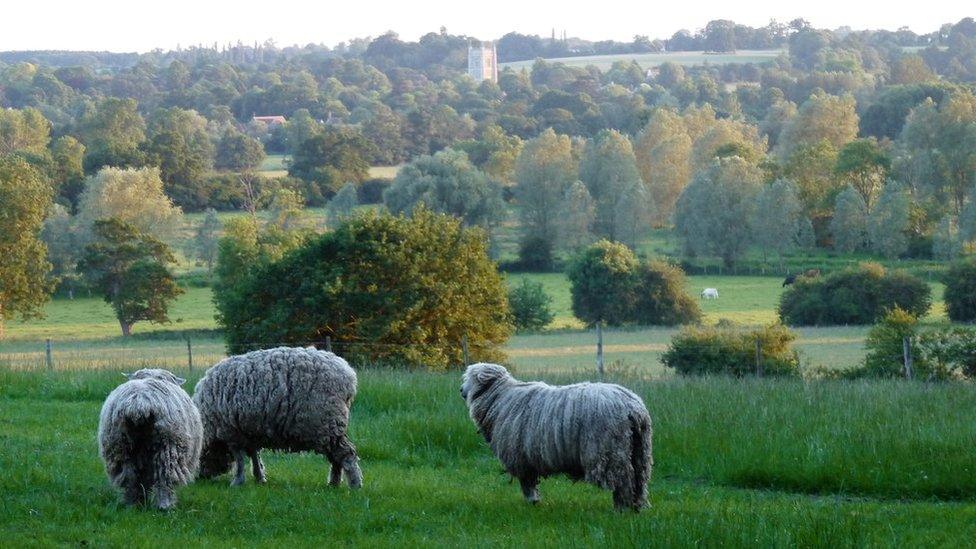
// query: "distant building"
[[483, 61], [271, 120]]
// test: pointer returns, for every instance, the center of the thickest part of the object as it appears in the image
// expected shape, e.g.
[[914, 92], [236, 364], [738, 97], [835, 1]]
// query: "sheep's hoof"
[[261, 480], [237, 482]]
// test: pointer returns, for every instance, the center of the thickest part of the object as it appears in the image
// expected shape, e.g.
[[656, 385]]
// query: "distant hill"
[[648, 60], [55, 58]]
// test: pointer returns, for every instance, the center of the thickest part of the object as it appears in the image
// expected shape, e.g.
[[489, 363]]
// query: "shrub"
[[371, 190], [885, 344], [727, 349], [535, 254], [530, 306], [602, 280], [387, 289], [960, 291], [662, 298], [860, 295]]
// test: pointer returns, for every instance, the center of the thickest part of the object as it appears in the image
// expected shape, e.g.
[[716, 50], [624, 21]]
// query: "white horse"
[[709, 293]]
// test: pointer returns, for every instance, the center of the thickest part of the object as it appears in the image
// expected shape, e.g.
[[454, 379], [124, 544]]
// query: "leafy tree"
[[960, 291], [776, 118], [386, 288], [778, 218], [238, 152], [287, 207], [543, 173], [864, 165], [129, 268], [889, 222], [495, 153], [608, 168], [577, 214], [343, 203], [602, 283], [331, 159], [662, 298], [663, 153], [180, 145], [813, 168], [60, 235], [24, 131], [713, 213], [885, 344], [728, 138], [206, 241], [112, 133], [947, 244], [822, 116], [530, 306], [967, 219], [301, 128], [134, 196], [24, 202], [849, 225], [68, 156], [447, 183], [911, 69]]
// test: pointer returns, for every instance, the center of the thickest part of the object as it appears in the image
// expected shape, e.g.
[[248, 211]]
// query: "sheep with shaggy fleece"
[[292, 399], [597, 432], [149, 437]]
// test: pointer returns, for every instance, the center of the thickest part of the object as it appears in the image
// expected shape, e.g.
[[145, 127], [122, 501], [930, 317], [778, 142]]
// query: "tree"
[[577, 214], [967, 219], [544, 171], [495, 153], [61, 238], [911, 69], [888, 223], [662, 297], [134, 196], [849, 225], [129, 268], [530, 306], [180, 145], [391, 289], [68, 156], [960, 291], [608, 168], [947, 243], [728, 138], [663, 154], [822, 116], [447, 183], [714, 212], [24, 131], [112, 133], [778, 218], [864, 165], [331, 159], [206, 241], [602, 283], [813, 168], [287, 208], [238, 152], [343, 203], [24, 202]]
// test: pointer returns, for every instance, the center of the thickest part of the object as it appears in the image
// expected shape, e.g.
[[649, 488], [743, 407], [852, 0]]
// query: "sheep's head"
[[215, 458], [479, 377], [155, 373]]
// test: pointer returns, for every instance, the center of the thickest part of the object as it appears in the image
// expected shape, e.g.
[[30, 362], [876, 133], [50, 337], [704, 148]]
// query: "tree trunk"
[[126, 328]]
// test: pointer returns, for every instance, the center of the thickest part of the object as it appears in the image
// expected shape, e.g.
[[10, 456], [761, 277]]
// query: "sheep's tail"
[[641, 458]]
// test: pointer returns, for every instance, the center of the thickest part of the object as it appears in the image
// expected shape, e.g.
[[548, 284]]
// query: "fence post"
[[759, 364], [47, 354], [464, 350], [328, 343], [599, 348], [189, 353], [907, 355]]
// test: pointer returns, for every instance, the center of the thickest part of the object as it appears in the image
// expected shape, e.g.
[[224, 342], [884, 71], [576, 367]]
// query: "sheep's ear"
[[179, 380]]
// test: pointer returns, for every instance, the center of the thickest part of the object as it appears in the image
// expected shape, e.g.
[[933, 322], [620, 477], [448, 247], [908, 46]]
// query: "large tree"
[[543, 173], [23, 131], [129, 268], [778, 220], [24, 201], [134, 196], [889, 221], [864, 165], [663, 153], [238, 152], [180, 145], [112, 133], [331, 159], [822, 116], [608, 168], [849, 224]]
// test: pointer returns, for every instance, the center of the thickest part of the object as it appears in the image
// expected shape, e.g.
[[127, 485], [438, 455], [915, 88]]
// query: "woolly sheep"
[[597, 432], [149, 437], [290, 399]]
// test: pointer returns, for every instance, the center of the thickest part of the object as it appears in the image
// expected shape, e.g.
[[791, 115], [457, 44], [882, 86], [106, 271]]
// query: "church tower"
[[483, 62]]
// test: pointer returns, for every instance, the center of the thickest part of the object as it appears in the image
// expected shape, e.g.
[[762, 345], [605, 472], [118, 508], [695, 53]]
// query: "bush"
[[529, 305], [860, 295], [661, 296], [960, 291], [535, 254], [885, 345], [730, 350], [371, 190], [387, 289]]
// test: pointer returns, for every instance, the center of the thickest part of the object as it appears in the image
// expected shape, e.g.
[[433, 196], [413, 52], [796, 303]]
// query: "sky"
[[140, 25]]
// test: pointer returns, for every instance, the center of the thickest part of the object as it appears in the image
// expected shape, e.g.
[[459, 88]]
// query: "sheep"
[[291, 399], [597, 432], [149, 437]]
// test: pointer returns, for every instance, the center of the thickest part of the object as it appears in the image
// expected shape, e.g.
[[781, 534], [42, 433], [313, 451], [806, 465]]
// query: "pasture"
[[737, 462], [649, 60]]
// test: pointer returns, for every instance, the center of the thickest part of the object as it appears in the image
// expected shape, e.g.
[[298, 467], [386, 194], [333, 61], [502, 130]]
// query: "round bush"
[[960, 291], [603, 285], [661, 296], [530, 304], [853, 296], [386, 289]]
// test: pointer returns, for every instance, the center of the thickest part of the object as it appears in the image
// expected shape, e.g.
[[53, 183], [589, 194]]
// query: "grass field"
[[648, 60], [737, 463], [275, 165]]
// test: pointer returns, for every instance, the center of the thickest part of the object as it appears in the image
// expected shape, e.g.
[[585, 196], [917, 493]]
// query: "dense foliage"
[[384, 288], [859, 295], [732, 350], [960, 291], [530, 306]]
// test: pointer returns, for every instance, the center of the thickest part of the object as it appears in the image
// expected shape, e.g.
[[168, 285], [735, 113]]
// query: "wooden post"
[[328, 343], [907, 355], [189, 354], [464, 350], [759, 364], [47, 354], [599, 348]]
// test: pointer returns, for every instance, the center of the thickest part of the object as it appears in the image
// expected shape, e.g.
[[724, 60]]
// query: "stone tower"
[[483, 62]]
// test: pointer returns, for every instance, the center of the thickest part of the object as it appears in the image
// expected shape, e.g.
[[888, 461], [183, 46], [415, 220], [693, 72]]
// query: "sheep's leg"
[[165, 497], [623, 495], [335, 472], [257, 466], [240, 465], [530, 488], [133, 493]]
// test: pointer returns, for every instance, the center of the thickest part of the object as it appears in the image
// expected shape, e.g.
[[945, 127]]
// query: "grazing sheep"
[[149, 437], [289, 399], [597, 432]]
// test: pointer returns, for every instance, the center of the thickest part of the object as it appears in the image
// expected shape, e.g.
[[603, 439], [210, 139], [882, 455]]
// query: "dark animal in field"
[[789, 280], [597, 432]]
